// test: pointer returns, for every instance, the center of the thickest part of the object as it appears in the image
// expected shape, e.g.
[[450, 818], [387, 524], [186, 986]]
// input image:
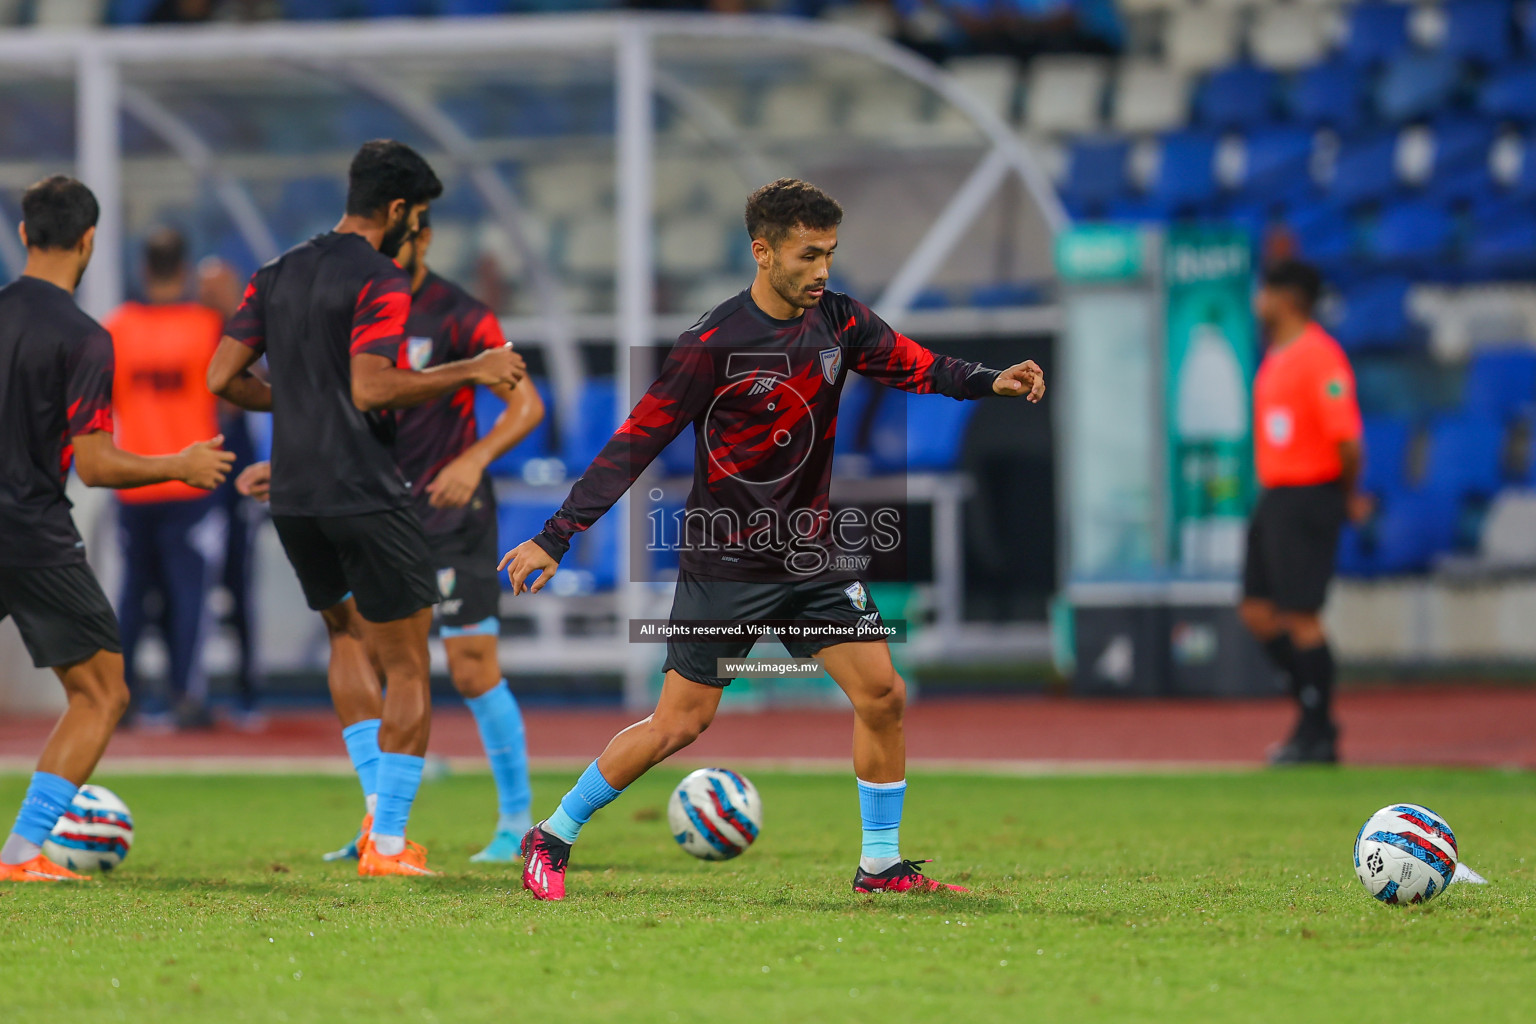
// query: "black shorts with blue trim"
[[468, 585], [842, 602]]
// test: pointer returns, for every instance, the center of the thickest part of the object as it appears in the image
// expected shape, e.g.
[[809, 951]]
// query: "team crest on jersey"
[[857, 595], [831, 362], [446, 579], [418, 352]]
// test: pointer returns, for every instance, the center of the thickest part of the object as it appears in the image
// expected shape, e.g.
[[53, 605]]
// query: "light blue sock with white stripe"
[[48, 797], [880, 808], [506, 749], [362, 739], [577, 807], [399, 779]]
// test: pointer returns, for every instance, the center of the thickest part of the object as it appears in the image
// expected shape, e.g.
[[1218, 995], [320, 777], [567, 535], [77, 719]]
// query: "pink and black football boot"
[[545, 856], [905, 876]]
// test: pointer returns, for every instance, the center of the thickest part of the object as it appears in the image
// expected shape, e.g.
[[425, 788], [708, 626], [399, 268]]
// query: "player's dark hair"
[[385, 170], [57, 212], [165, 254], [779, 207], [1301, 279]]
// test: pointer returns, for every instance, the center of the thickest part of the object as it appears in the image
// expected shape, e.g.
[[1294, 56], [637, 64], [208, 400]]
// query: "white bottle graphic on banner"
[[1210, 422]]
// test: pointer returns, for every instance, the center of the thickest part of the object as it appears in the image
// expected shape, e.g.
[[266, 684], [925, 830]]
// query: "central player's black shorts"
[[701, 599], [61, 612], [1293, 541], [468, 585], [379, 557]]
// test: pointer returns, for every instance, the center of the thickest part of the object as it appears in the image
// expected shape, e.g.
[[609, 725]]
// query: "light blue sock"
[[880, 809], [506, 748], [362, 739], [577, 807], [47, 799], [399, 778]]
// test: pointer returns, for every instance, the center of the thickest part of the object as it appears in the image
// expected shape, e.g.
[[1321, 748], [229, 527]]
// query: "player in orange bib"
[[172, 535], [1308, 455]]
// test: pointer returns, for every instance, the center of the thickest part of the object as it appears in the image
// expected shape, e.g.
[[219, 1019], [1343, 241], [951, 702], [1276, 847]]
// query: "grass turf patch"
[[1206, 897]]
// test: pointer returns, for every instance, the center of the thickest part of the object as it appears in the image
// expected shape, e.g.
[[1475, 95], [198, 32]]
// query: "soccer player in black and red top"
[[329, 315], [56, 410], [759, 377], [444, 459]]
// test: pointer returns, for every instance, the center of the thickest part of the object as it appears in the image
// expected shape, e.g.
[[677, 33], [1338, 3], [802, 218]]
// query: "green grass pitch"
[[1201, 898]]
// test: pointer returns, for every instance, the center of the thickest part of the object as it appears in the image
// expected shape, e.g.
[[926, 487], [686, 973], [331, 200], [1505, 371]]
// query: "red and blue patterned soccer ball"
[[1405, 853], [94, 834], [715, 813]]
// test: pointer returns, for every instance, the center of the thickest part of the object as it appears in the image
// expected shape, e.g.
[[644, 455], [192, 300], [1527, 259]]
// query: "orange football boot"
[[39, 869], [410, 861]]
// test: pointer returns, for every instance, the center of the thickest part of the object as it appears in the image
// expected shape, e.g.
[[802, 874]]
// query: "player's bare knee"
[[883, 702], [340, 621], [1259, 617], [104, 691]]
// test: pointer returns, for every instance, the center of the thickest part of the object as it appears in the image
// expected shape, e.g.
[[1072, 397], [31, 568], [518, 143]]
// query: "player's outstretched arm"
[[525, 560], [1021, 380], [456, 482], [377, 383], [101, 463], [230, 376]]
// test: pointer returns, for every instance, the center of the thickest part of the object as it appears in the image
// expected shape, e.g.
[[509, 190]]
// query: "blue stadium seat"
[[677, 457], [1478, 30], [130, 12], [1377, 32], [1416, 85], [1323, 234], [1413, 528], [1277, 160], [851, 407], [398, 8], [1462, 142], [1006, 294], [1186, 174], [1095, 173], [320, 10], [1331, 93], [1465, 456], [1501, 246], [535, 446], [1241, 96], [1510, 92], [1374, 314], [918, 433], [593, 561], [1413, 236], [597, 415], [470, 8], [1386, 441], [1500, 383], [1366, 169], [932, 297]]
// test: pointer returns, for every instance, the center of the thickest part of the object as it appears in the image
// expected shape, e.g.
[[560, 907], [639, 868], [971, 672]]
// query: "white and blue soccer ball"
[[1405, 853], [715, 813], [94, 834]]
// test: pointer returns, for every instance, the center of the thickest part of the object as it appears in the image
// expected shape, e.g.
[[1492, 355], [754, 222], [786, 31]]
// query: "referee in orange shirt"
[[1308, 456], [172, 535]]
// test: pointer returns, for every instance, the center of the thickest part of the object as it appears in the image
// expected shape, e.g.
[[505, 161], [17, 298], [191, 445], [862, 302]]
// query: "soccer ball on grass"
[[1405, 853], [94, 834], [715, 813]]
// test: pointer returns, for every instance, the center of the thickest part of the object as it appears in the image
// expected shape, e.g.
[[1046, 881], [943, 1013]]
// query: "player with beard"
[[759, 377], [56, 370], [330, 315], [444, 461]]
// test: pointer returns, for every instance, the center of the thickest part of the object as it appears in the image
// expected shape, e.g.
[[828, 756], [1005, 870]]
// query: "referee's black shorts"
[[1293, 541], [61, 612], [380, 558]]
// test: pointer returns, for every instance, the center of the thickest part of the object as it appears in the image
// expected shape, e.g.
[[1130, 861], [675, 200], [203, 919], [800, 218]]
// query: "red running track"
[[1442, 725]]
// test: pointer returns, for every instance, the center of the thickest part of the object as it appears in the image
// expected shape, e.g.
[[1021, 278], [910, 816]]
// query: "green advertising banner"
[[1211, 355]]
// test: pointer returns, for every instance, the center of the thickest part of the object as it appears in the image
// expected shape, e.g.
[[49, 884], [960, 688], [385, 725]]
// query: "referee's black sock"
[[1282, 653], [1314, 685]]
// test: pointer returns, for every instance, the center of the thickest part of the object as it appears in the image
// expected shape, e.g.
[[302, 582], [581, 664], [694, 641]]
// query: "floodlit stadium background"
[[596, 163]]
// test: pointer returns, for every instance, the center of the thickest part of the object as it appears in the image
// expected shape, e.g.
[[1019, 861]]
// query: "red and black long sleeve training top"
[[762, 395]]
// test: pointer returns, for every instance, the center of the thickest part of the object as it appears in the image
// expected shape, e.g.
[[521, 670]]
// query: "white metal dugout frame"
[[351, 54]]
